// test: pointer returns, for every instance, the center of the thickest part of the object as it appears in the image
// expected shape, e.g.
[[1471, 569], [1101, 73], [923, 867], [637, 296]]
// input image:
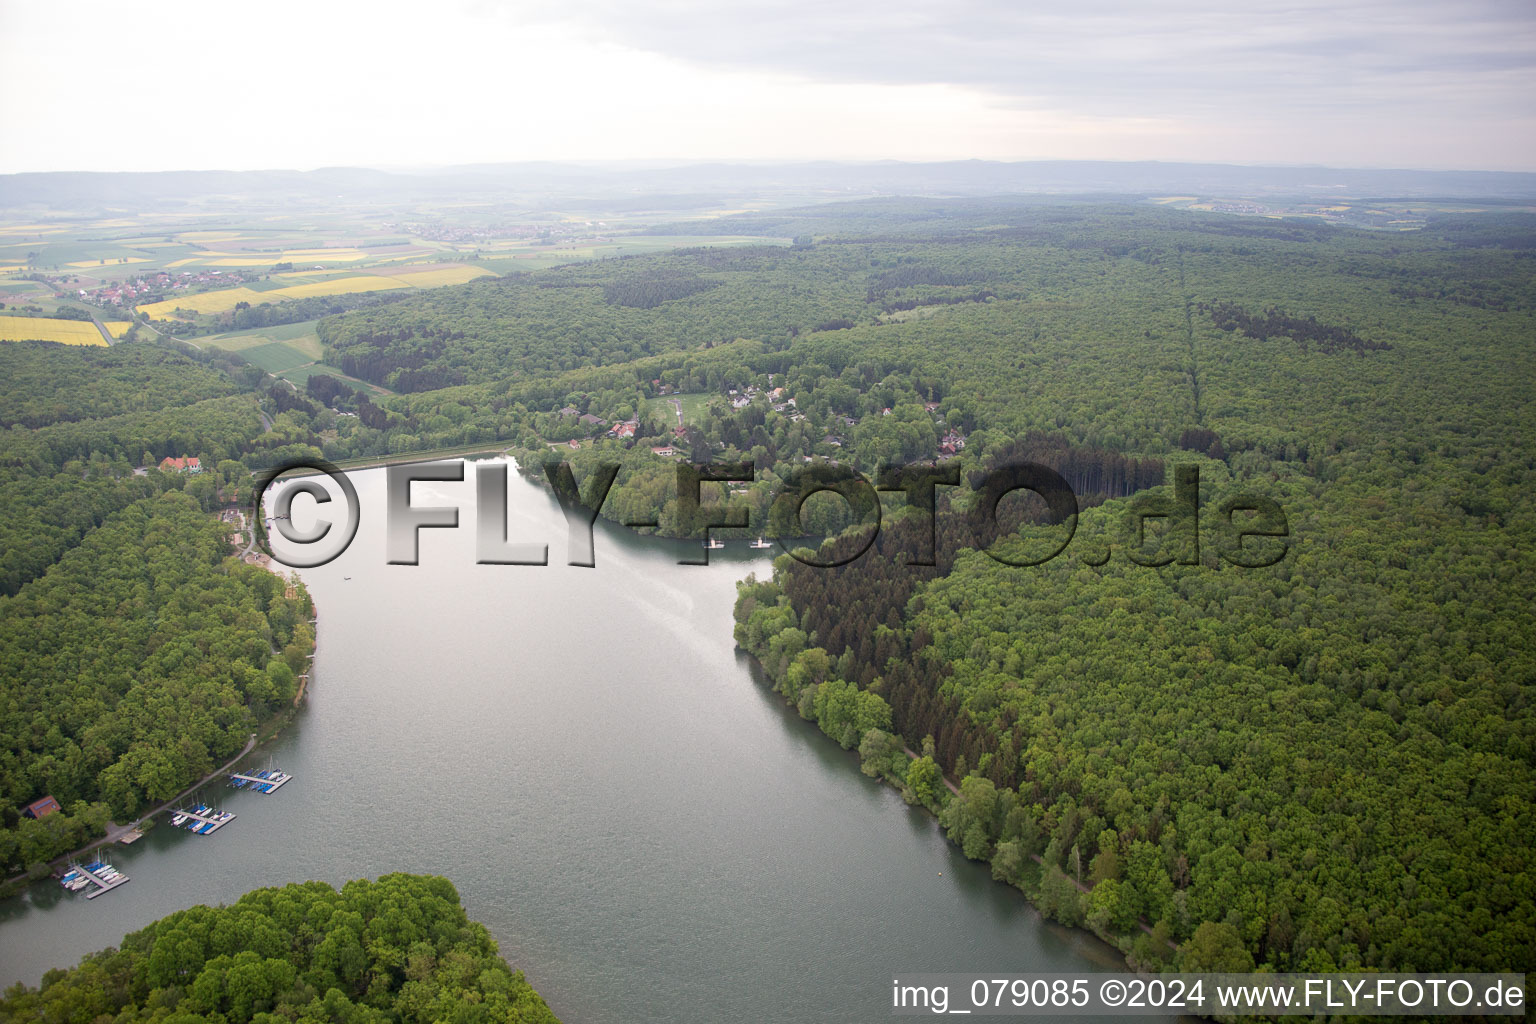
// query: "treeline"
[[47, 383], [135, 665], [213, 429], [400, 948]]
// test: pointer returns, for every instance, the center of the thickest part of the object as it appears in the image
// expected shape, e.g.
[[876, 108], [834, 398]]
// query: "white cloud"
[[93, 86]]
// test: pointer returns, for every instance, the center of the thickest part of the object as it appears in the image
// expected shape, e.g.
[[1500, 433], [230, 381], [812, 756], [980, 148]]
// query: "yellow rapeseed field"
[[205, 302], [438, 278], [65, 332], [110, 261], [341, 286]]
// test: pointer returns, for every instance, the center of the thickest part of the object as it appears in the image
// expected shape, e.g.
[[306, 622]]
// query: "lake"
[[646, 829]]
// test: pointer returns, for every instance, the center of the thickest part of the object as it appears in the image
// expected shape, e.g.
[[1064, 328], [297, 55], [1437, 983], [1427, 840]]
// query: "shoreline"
[[1029, 896], [266, 731]]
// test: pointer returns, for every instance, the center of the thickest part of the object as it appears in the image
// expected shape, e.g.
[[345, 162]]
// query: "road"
[[105, 334]]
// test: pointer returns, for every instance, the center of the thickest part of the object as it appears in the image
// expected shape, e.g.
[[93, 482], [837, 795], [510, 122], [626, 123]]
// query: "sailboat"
[[762, 542]]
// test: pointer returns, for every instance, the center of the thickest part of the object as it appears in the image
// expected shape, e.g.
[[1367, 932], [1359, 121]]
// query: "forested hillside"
[[1322, 763], [398, 949], [47, 383], [135, 653], [134, 666]]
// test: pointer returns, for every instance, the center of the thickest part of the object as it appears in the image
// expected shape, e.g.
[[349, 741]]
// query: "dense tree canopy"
[[398, 949], [135, 665]]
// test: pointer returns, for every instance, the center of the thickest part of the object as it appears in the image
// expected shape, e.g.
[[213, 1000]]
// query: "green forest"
[[137, 653], [1321, 763], [398, 949]]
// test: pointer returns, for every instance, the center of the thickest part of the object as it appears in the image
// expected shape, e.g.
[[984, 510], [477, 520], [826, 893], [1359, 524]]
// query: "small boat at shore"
[[714, 544], [761, 542]]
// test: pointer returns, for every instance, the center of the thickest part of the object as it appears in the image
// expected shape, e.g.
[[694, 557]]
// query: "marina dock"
[[270, 783], [204, 819], [99, 883]]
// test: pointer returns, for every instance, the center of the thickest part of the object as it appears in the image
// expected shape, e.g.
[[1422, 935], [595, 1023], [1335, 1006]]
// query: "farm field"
[[275, 357], [300, 335], [36, 328], [112, 264], [340, 286], [444, 276], [204, 302], [300, 376]]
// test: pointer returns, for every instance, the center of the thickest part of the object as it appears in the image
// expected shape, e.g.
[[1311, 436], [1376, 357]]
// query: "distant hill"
[[82, 189]]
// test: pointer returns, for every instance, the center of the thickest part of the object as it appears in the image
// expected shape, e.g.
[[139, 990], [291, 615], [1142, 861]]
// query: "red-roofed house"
[[186, 465], [39, 808]]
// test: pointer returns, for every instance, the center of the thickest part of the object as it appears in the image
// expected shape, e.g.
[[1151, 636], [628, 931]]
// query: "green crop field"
[[300, 375], [299, 336], [276, 357]]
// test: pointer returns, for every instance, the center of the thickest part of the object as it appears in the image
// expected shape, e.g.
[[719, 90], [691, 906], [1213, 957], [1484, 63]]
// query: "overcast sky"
[[170, 85]]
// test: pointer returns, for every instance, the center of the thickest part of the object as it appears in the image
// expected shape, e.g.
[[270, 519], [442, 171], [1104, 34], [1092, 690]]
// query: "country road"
[[105, 334]]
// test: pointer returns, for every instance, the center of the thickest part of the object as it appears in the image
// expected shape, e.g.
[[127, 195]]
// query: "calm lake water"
[[648, 832]]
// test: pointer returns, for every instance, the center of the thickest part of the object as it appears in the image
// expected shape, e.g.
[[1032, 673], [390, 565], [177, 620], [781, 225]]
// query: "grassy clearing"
[[694, 406]]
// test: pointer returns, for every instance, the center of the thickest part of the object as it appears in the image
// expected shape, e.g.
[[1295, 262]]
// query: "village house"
[[570, 410], [186, 465], [951, 443], [591, 420], [39, 808]]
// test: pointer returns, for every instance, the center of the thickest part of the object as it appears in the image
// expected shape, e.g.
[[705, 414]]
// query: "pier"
[[102, 884], [217, 823], [274, 782]]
